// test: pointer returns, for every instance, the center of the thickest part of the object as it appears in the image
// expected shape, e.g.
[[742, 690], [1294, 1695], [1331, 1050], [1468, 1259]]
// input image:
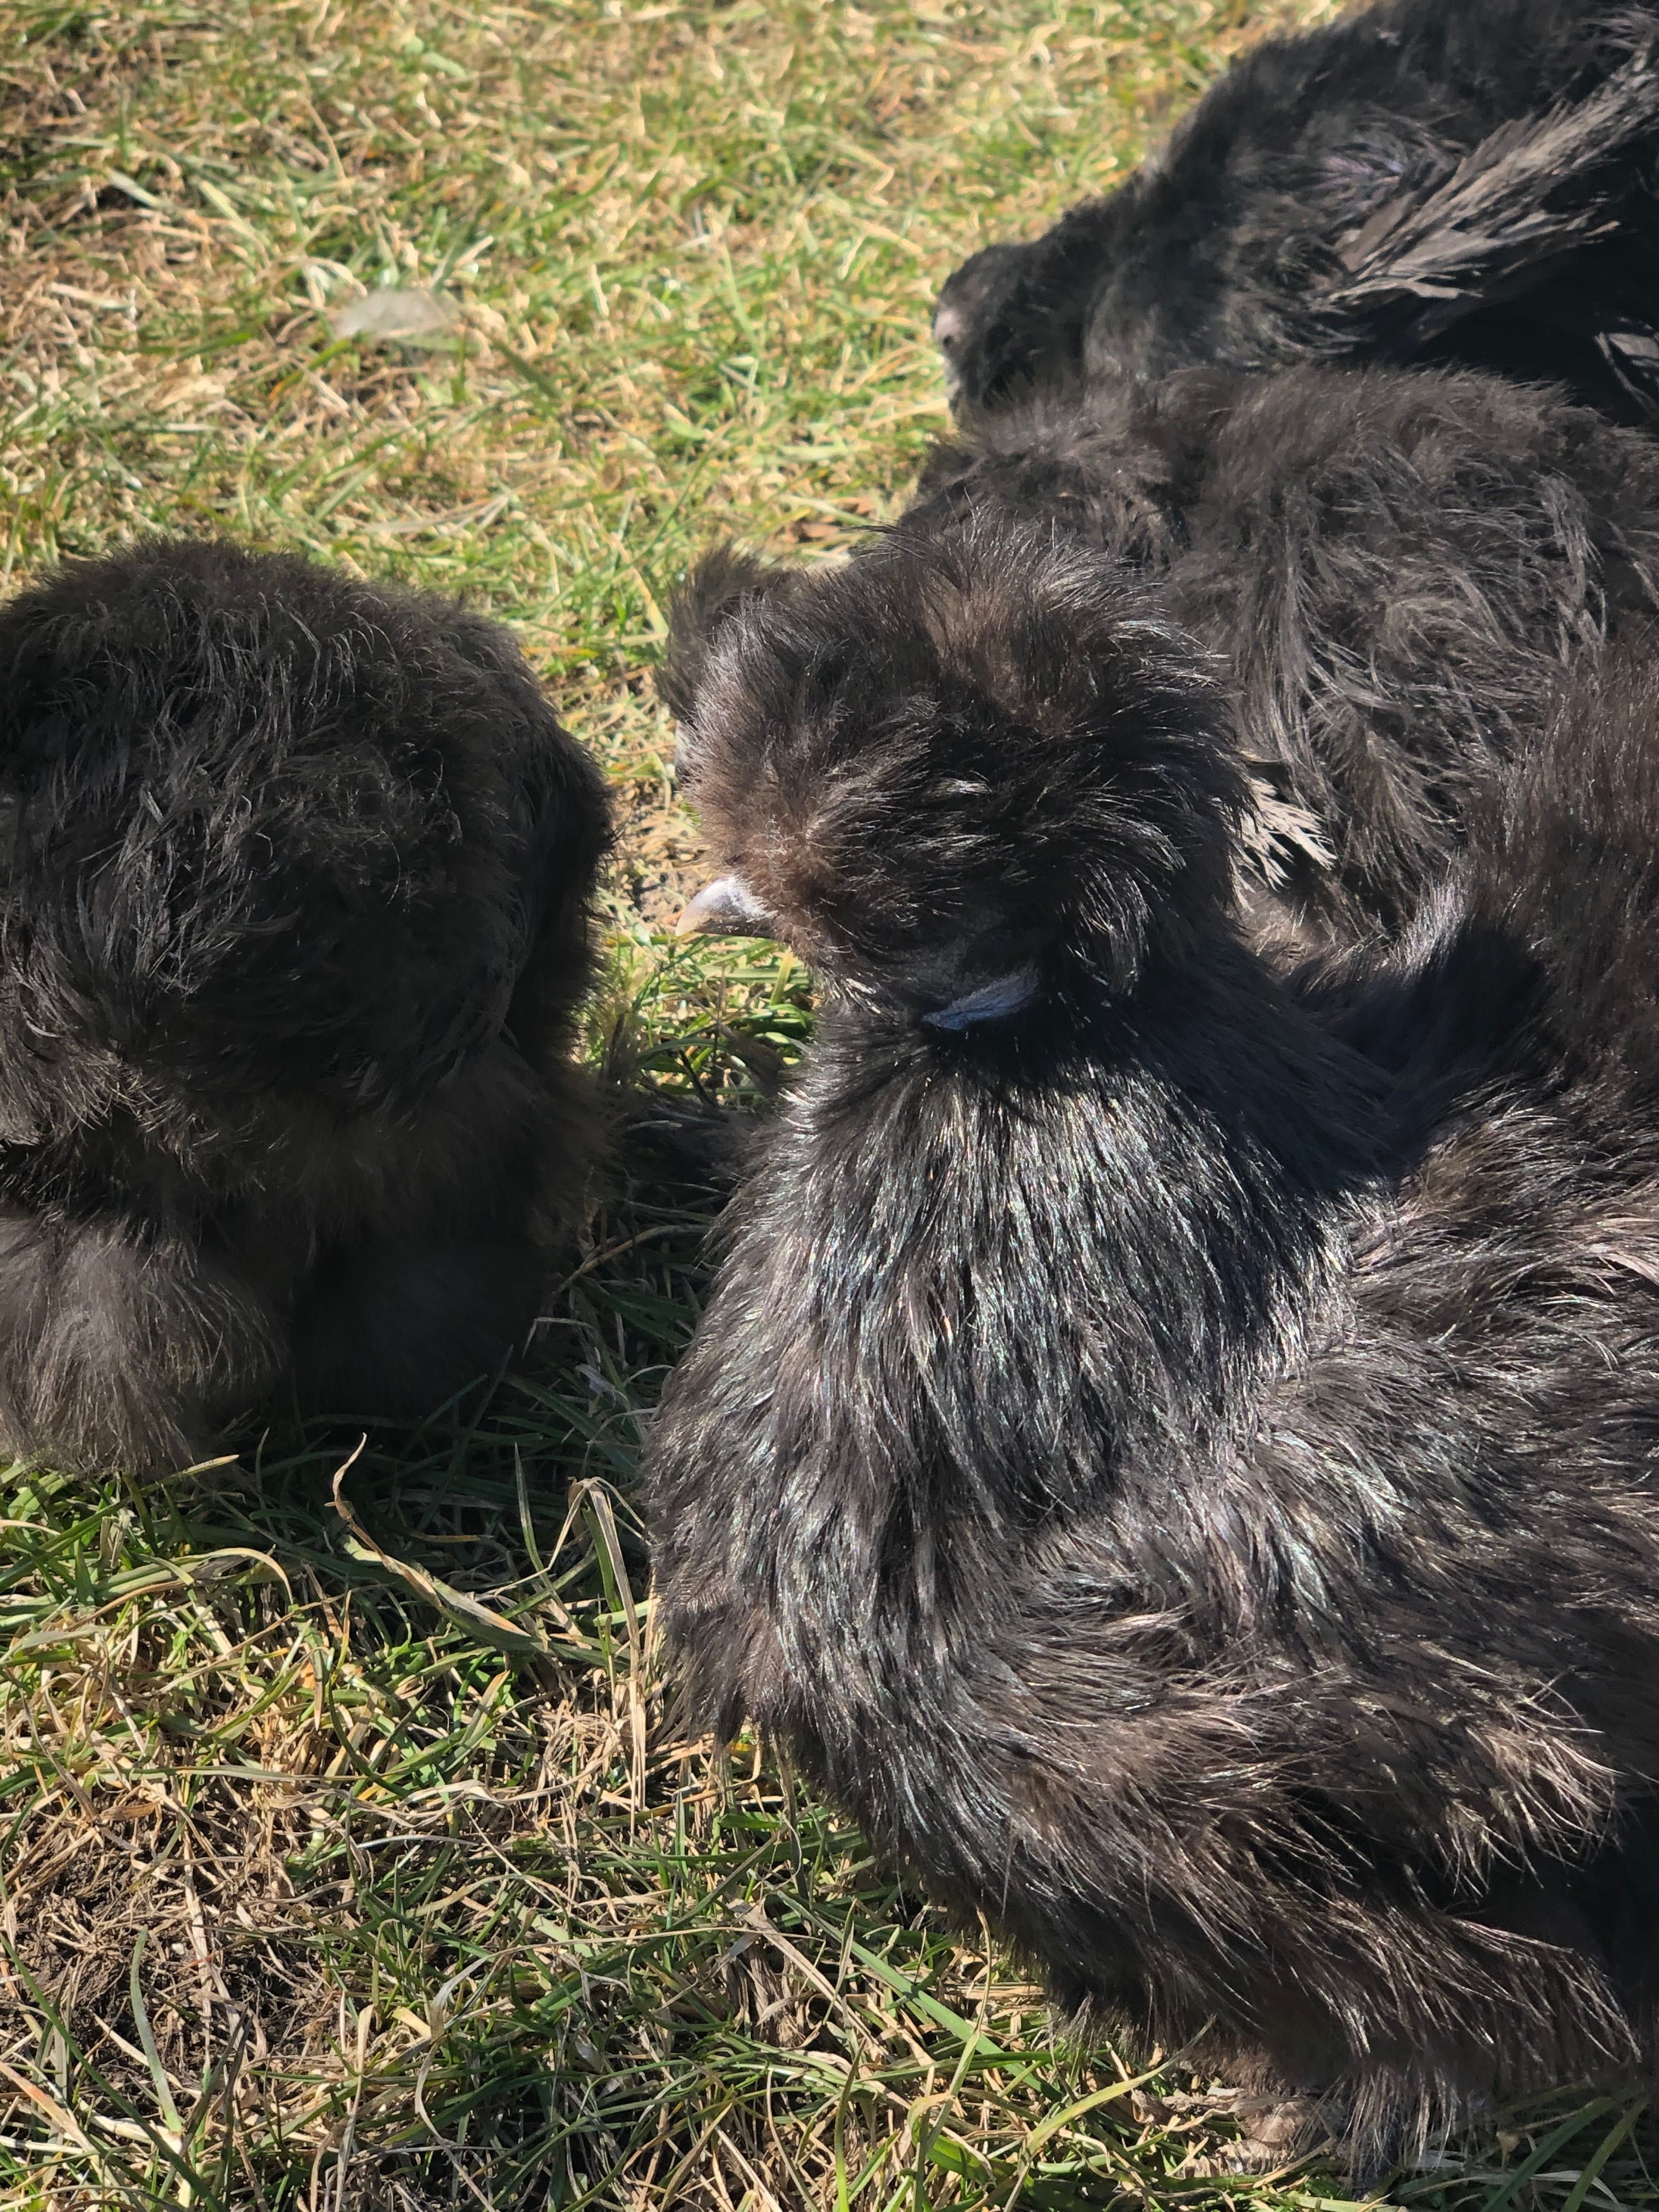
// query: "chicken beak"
[[949, 325], [726, 908]]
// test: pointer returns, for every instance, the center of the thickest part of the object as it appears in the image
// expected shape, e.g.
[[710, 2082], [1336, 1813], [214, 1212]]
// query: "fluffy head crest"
[[956, 771]]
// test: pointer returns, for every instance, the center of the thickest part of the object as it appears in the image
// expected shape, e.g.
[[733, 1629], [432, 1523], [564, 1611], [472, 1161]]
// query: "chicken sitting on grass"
[[1470, 183], [1171, 1445], [293, 930]]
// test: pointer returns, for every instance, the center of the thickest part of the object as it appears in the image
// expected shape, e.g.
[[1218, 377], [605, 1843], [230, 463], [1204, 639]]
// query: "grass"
[[350, 1858]]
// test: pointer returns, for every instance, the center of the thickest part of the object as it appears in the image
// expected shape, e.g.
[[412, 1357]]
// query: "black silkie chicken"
[[1470, 183], [1392, 566], [293, 930], [1171, 1445]]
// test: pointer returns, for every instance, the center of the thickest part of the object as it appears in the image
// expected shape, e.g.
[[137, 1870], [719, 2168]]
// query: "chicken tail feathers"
[[1515, 216]]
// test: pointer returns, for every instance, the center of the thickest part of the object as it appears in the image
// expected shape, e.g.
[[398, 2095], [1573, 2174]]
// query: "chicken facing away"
[[293, 933], [1472, 183]]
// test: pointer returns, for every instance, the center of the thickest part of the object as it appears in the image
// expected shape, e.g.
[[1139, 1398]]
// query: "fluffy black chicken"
[[1393, 565], [1471, 183], [1171, 1445], [293, 929]]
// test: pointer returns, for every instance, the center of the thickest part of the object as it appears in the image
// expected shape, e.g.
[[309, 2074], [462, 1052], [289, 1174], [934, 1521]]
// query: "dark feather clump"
[[1392, 567], [1172, 1452], [293, 932], [916, 702], [1469, 183]]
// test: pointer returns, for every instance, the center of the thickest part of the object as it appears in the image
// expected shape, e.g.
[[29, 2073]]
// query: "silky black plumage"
[[1393, 567], [1174, 1455], [293, 930], [1472, 182]]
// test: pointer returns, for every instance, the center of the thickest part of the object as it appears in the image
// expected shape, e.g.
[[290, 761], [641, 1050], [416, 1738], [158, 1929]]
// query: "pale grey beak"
[[726, 908], [949, 323]]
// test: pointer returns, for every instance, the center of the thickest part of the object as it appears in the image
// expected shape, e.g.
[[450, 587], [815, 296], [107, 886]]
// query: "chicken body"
[[292, 933], [1170, 1447], [1471, 185]]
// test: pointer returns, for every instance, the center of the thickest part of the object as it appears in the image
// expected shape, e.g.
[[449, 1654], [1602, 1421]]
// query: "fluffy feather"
[[1392, 567], [1471, 184], [292, 928], [1174, 1457]]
